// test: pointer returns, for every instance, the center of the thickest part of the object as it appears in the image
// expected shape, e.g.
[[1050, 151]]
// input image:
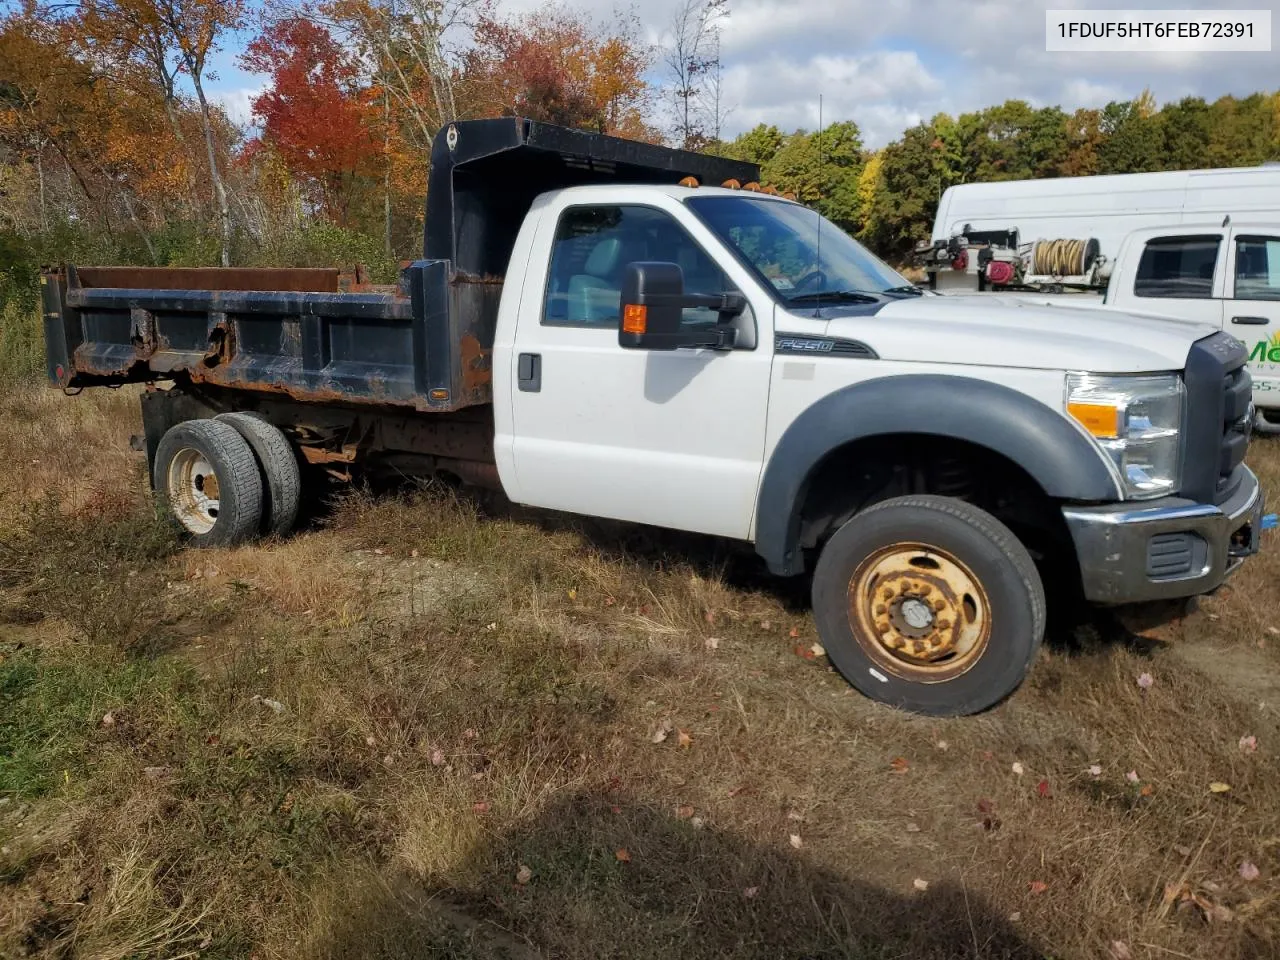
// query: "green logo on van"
[[1266, 351]]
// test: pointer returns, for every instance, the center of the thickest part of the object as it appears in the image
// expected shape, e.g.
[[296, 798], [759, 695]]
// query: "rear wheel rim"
[[194, 492], [919, 612]]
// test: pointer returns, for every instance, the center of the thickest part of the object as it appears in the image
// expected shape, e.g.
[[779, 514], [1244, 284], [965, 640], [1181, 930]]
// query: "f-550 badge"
[[804, 345]]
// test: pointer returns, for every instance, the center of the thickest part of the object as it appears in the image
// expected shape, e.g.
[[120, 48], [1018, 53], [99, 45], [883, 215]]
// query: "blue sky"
[[887, 64]]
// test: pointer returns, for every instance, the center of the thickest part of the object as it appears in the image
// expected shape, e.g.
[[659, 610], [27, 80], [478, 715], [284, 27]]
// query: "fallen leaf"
[[988, 755], [370, 741], [1182, 851], [523, 875], [1247, 744], [470, 733], [664, 729], [913, 828], [1120, 950], [793, 633], [1038, 886], [616, 809], [1042, 788], [684, 811], [740, 788], [1219, 787], [1015, 916], [943, 745], [437, 757], [712, 643], [921, 885], [818, 650], [684, 740], [1018, 769], [1145, 680], [795, 815], [1132, 776], [108, 719], [766, 625], [1095, 770], [480, 806], [899, 765], [573, 594], [803, 651], [985, 805], [1274, 631], [1248, 871], [750, 892], [621, 855], [156, 773], [697, 823], [1147, 790], [796, 841]]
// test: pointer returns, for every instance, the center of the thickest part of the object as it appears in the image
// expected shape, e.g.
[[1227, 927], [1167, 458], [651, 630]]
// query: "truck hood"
[[1010, 332]]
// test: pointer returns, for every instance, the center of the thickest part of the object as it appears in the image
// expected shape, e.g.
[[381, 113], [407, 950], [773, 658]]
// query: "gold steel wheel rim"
[[919, 612]]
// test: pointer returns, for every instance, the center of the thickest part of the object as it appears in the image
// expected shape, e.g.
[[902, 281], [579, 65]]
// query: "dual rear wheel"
[[229, 479]]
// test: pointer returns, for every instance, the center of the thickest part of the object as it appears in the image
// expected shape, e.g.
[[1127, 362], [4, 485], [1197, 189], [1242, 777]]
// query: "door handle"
[[529, 372], [1256, 321]]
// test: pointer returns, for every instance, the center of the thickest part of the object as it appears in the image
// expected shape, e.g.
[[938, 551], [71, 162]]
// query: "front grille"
[[1218, 421]]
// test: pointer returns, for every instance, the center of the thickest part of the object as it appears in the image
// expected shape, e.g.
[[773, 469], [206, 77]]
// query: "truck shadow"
[[613, 875]]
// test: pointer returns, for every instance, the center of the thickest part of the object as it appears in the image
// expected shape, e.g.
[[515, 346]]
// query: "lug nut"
[[944, 624], [881, 609], [888, 593]]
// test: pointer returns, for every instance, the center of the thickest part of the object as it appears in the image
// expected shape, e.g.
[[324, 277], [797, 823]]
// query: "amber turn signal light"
[[1100, 419], [635, 318]]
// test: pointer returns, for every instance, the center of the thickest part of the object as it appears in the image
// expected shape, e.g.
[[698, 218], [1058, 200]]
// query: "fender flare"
[[1057, 455]]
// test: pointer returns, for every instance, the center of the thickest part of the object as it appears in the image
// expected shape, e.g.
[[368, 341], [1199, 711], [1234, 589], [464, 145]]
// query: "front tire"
[[205, 473], [929, 604]]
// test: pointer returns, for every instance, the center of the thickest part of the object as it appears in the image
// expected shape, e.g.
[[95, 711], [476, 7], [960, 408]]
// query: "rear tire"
[[282, 486], [206, 476], [929, 604]]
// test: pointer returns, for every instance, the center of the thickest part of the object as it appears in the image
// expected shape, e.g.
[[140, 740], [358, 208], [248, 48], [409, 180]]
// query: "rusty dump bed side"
[[424, 344]]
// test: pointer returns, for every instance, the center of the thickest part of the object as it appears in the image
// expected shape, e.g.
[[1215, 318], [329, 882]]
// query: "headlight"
[[1136, 421]]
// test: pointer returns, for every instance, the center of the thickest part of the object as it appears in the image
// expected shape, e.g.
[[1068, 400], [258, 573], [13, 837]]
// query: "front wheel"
[[929, 604]]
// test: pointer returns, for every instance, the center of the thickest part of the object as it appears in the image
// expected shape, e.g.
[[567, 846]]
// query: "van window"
[[1258, 268], [1179, 267]]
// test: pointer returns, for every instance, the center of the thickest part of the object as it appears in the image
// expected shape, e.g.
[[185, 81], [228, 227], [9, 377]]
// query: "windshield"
[[783, 243]]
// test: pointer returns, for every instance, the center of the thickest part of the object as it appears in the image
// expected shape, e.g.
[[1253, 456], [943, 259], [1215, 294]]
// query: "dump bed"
[[423, 344]]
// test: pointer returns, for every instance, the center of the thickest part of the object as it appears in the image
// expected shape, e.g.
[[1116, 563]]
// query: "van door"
[[670, 438], [1181, 276], [1253, 307]]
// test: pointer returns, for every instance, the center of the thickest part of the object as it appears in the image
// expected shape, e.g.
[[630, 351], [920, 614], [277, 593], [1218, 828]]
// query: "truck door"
[[1179, 275], [1253, 307], [671, 438]]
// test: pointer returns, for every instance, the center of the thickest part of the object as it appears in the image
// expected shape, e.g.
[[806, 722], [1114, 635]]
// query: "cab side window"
[[1257, 268], [590, 253], [1177, 267]]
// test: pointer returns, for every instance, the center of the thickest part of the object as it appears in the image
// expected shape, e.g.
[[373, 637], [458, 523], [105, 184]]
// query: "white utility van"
[[1066, 232]]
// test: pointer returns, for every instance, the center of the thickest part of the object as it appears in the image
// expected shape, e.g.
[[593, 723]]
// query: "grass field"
[[421, 728]]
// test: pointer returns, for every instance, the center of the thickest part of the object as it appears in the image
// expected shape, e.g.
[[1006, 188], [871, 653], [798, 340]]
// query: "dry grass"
[[349, 744]]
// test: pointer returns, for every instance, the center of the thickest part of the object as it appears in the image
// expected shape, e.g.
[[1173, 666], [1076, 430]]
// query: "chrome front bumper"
[[1164, 549]]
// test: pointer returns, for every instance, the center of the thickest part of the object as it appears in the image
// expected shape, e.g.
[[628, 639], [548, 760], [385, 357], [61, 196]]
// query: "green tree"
[[822, 170], [758, 145], [1186, 127], [1132, 139]]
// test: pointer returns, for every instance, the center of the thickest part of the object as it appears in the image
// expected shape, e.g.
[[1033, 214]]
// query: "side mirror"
[[652, 302]]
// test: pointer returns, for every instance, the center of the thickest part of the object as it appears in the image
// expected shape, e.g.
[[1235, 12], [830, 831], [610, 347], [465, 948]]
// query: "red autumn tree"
[[315, 115]]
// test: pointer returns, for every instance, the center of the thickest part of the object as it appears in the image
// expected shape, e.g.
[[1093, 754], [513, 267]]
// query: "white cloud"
[[237, 102]]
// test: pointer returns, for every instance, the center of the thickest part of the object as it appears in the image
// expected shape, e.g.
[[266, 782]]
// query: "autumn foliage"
[[314, 113]]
